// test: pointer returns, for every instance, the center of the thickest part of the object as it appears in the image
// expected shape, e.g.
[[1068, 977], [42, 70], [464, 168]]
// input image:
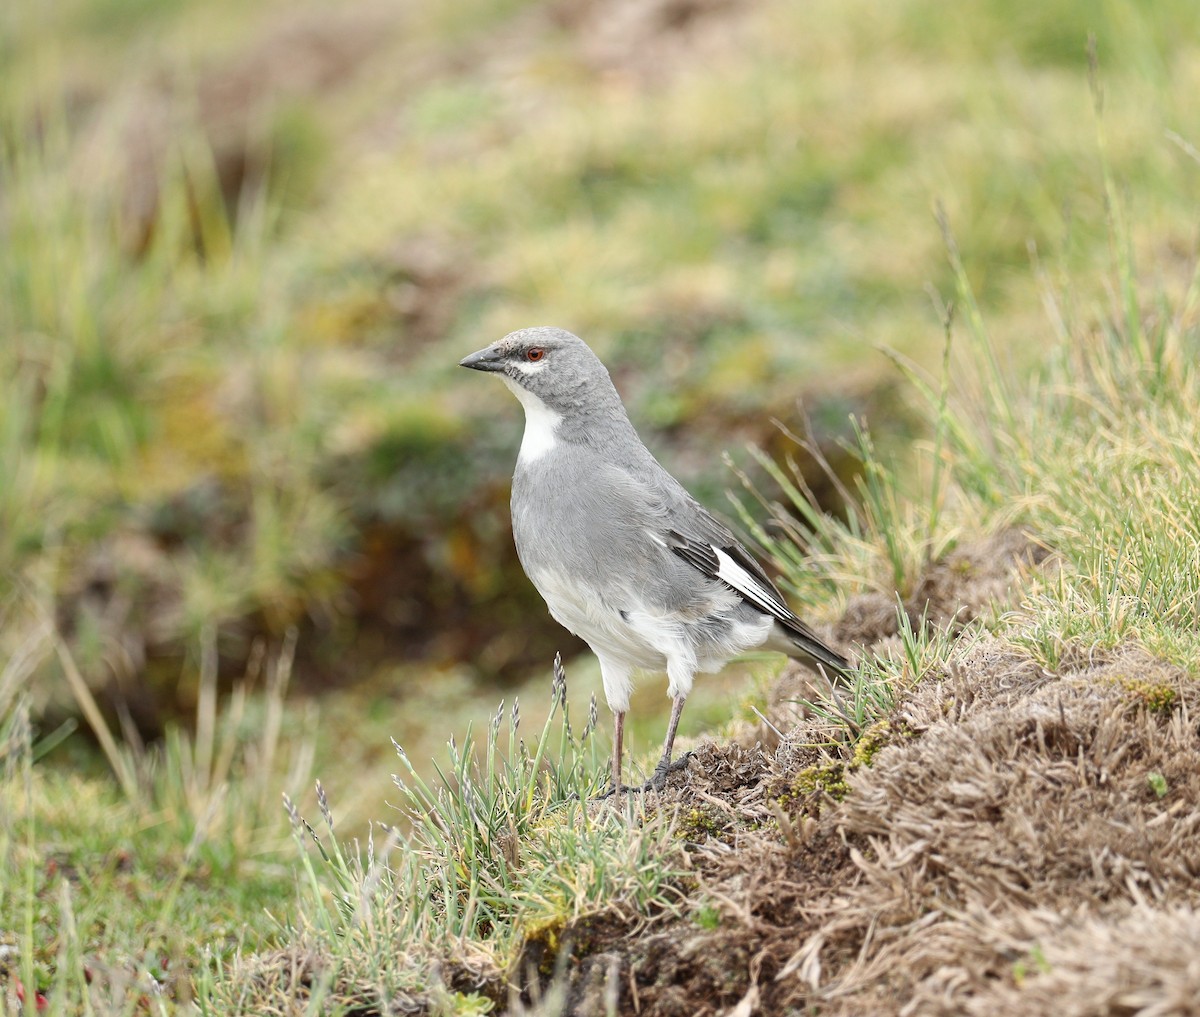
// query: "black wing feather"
[[702, 555]]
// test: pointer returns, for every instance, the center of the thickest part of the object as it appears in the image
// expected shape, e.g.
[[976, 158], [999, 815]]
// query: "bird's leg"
[[615, 784], [658, 779], [618, 745]]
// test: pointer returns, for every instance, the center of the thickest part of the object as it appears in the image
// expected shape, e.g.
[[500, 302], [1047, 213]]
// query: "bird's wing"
[[705, 543], [651, 513], [654, 507], [696, 536], [732, 564], [700, 539]]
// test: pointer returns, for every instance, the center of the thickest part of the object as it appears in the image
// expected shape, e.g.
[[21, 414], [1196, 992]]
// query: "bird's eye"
[[534, 354]]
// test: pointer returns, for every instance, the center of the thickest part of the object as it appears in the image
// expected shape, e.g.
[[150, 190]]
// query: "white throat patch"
[[540, 424]]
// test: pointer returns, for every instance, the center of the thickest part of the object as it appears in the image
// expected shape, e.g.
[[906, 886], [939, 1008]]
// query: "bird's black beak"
[[485, 360]]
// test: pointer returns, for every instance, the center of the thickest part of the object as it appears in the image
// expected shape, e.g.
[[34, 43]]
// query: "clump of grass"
[[109, 884], [500, 845], [1095, 457]]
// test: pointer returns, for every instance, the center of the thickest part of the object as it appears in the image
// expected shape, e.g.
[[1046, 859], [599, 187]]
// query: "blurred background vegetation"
[[243, 245]]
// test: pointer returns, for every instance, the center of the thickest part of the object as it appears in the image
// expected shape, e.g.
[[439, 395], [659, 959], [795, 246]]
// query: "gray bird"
[[623, 556]]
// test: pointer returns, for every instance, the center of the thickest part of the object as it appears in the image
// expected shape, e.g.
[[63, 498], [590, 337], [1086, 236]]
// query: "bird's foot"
[[658, 779]]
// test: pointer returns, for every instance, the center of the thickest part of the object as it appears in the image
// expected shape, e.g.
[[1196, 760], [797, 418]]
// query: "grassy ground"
[[242, 249]]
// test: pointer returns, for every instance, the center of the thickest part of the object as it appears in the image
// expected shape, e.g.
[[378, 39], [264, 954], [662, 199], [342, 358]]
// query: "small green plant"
[[1036, 962], [827, 778], [698, 824], [1158, 784], [1156, 696]]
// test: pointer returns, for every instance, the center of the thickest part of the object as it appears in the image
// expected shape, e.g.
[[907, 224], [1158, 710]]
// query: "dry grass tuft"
[[1142, 962], [949, 593]]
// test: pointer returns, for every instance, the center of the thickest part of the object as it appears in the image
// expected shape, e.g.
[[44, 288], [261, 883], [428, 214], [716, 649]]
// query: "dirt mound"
[[1143, 962], [1008, 840], [1016, 840]]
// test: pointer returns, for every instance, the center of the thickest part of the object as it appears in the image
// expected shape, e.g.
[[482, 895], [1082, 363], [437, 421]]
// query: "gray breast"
[[579, 516]]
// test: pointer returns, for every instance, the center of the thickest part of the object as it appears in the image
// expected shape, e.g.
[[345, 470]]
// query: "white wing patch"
[[748, 586]]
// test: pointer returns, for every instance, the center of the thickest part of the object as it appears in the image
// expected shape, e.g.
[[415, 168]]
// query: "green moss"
[[543, 940], [828, 777], [1156, 696], [879, 735], [872, 740], [699, 824], [547, 942]]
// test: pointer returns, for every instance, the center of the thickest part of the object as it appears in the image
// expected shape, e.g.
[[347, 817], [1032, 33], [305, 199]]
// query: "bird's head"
[[549, 364]]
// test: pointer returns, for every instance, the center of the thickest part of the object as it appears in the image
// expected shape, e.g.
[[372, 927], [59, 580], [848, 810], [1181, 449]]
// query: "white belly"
[[638, 638], [600, 625]]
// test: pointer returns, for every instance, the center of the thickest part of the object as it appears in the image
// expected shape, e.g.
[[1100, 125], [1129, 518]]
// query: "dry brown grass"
[[1020, 842]]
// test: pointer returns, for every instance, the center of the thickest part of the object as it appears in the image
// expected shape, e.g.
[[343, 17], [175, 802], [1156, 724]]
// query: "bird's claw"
[[658, 779]]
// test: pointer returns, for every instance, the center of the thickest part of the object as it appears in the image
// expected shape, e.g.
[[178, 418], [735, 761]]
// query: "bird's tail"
[[799, 641]]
